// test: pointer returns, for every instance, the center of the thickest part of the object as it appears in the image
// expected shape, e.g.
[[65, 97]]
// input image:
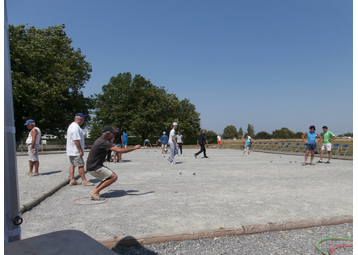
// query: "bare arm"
[[125, 150], [320, 138], [303, 137], [34, 134], [79, 148]]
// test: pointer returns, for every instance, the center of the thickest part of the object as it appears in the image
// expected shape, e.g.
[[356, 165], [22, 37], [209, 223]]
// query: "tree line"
[[230, 132], [48, 76]]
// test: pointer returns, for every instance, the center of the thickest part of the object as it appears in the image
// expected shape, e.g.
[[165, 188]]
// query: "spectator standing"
[[118, 141], [125, 139], [311, 143], [202, 141], [219, 140], [173, 144], [96, 157], [246, 146], [33, 146], [180, 140], [164, 141], [75, 143], [328, 137]]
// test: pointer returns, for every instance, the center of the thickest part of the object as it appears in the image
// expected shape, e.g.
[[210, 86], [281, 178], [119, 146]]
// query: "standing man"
[[118, 141], [173, 144], [164, 141], [311, 143], [33, 146], [219, 139], [180, 140], [75, 150], [125, 139], [328, 137], [201, 141], [96, 157]]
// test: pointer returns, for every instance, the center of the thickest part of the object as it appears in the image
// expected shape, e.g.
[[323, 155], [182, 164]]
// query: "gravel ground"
[[301, 241], [226, 190]]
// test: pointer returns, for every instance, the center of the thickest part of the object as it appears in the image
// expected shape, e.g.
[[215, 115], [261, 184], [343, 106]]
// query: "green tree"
[[283, 133], [240, 134], [298, 135], [230, 132], [47, 78], [250, 130], [263, 135], [210, 133], [141, 108]]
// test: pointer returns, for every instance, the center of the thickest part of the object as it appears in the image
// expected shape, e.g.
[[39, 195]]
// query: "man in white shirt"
[[75, 150], [173, 144], [33, 143], [220, 144]]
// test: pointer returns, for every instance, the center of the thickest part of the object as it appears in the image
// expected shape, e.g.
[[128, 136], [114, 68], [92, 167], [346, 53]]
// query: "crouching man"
[[96, 158]]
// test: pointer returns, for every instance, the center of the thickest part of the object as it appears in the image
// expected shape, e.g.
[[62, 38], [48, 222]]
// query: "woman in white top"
[[180, 141]]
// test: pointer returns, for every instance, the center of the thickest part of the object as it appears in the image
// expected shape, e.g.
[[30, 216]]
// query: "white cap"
[[164, 133], [175, 124]]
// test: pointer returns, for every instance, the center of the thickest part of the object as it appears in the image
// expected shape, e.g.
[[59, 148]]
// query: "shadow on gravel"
[[131, 250], [53, 172], [122, 193]]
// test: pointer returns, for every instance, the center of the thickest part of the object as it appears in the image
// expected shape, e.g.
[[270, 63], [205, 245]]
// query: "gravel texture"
[[153, 197], [301, 241]]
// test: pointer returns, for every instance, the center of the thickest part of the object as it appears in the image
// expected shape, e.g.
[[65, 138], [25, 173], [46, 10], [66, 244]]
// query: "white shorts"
[[326, 147], [164, 145]]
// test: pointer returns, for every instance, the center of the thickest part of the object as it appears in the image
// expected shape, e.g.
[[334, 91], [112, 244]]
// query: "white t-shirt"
[[171, 134], [179, 138], [74, 132], [38, 137], [219, 138]]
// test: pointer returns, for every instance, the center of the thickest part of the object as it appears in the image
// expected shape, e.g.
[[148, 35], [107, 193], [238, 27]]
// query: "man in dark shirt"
[[201, 141], [118, 141], [95, 159]]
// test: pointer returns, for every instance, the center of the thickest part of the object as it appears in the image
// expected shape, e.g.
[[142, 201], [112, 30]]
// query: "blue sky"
[[271, 64]]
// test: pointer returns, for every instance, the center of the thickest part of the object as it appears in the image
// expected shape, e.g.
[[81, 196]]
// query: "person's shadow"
[[122, 193], [122, 247], [53, 172]]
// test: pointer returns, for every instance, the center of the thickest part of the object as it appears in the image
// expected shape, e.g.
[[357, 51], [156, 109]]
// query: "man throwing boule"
[[96, 158]]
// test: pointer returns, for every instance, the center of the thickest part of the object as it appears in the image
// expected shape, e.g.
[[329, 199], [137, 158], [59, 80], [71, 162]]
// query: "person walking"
[[173, 144], [75, 143], [96, 157], [33, 146], [118, 141], [246, 146], [219, 140], [311, 143], [180, 140], [164, 141], [201, 142], [328, 137]]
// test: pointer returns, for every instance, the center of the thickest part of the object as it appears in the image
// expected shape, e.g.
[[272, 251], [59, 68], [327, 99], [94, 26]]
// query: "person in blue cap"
[[33, 143]]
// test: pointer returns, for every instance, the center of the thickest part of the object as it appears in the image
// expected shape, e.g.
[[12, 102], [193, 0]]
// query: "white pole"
[[11, 193]]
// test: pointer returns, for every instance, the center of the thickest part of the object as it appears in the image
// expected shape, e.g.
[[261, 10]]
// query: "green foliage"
[[250, 130], [262, 135], [142, 108], [211, 133], [47, 78], [283, 133], [230, 132], [240, 134]]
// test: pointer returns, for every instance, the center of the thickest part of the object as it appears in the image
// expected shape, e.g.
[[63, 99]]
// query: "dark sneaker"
[[195, 155], [319, 161], [328, 162], [206, 157]]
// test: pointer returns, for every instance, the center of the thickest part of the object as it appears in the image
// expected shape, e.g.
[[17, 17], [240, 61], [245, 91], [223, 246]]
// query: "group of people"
[[163, 141], [112, 139]]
